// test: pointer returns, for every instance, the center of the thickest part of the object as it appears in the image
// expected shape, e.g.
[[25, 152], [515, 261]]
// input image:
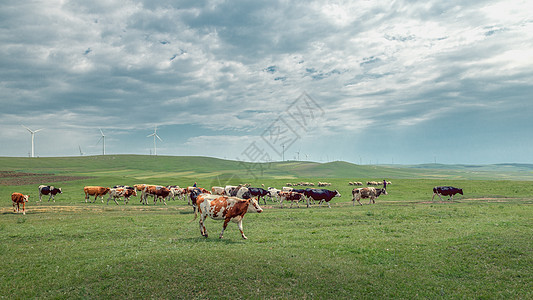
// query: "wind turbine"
[[32, 139], [298, 152], [102, 138], [155, 136], [81, 153]]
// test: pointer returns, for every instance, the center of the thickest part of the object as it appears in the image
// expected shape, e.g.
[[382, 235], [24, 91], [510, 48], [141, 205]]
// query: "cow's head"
[[254, 206], [26, 197], [383, 191], [59, 190], [337, 194], [460, 191]]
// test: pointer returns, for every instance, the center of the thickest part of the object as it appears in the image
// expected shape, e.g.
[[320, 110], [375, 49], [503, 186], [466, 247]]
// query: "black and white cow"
[[48, 190]]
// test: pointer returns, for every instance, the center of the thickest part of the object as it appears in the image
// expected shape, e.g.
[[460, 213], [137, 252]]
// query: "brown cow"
[[96, 191], [17, 199], [224, 208], [157, 191]]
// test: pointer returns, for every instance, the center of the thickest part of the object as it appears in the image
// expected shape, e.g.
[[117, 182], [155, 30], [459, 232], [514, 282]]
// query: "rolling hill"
[[208, 167]]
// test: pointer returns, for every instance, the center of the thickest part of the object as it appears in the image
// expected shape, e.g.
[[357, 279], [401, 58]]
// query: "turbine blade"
[[101, 132], [99, 140], [158, 137], [150, 135], [38, 130], [27, 128]]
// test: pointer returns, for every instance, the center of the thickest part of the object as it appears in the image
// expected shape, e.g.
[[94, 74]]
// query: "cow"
[[224, 208], [124, 191], [290, 196], [321, 195], [218, 190], [446, 191], [17, 199], [199, 190], [239, 192], [48, 190], [175, 190], [273, 193], [140, 188], [96, 191], [258, 192], [159, 192], [368, 192]]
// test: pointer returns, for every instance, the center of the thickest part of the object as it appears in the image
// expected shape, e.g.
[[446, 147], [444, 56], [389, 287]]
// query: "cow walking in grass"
[[367, 193], [17, 199], [96, 191], [48, 190], [446, 191], [224, 208]]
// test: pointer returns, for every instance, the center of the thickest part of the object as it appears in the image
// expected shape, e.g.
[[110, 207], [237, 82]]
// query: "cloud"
[[230, 68]]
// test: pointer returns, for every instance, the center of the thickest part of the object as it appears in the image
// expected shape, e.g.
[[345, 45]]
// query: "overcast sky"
[[402, 82]]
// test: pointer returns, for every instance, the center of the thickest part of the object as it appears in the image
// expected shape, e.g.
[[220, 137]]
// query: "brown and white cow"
[[96, 191], [290, 196], [119, 192], [17, 199], [368, 192], [176, 191], [140, 188], [218, 190], [224, 208], [48, 190]]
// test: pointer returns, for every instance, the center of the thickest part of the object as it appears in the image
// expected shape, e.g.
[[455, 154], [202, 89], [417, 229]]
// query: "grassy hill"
[[143, 166]]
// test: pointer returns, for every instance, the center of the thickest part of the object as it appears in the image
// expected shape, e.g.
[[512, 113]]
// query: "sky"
[[368, 82]]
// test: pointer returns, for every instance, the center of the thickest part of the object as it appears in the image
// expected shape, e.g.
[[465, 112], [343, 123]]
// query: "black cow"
[[48, 190], [259, 193], [321, 195], [446, 191]]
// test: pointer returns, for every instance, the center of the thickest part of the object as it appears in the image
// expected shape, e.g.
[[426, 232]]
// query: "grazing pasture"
[[405, 246]]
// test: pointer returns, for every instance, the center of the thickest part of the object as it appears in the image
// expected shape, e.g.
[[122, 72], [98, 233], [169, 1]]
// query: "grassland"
[[405, 246]]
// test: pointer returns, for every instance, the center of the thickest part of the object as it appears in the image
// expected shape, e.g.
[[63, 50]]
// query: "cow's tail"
[[195, 209]]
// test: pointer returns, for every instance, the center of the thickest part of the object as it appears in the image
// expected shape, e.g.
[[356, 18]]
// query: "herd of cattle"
[[229, 203]]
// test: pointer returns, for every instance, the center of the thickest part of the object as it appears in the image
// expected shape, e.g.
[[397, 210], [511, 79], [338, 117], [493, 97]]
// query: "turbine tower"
[[155, 136], [32, 139], [102, 138]]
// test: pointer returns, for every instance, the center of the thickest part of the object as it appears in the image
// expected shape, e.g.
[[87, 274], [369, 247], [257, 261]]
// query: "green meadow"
[[405, 246]]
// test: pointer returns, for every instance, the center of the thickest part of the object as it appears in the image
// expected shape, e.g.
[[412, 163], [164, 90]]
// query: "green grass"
[[402, 247], [458, 250]]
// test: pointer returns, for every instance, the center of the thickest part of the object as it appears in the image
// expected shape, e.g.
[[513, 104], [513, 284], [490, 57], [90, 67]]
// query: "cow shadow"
[[212, 240]]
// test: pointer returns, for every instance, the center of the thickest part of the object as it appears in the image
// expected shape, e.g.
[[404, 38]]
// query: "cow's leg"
[[24, 207], [40, 197], [281, 202], [440, 197], [226, 221], [14, 207], [451, 197], [51, 197], [203, 231], [239, 224], [165, 202], [114, 199], [433, 196], [329, 205]]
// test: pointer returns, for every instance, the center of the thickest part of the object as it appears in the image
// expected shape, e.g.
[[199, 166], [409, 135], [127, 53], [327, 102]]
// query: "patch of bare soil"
[[21, 178]]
